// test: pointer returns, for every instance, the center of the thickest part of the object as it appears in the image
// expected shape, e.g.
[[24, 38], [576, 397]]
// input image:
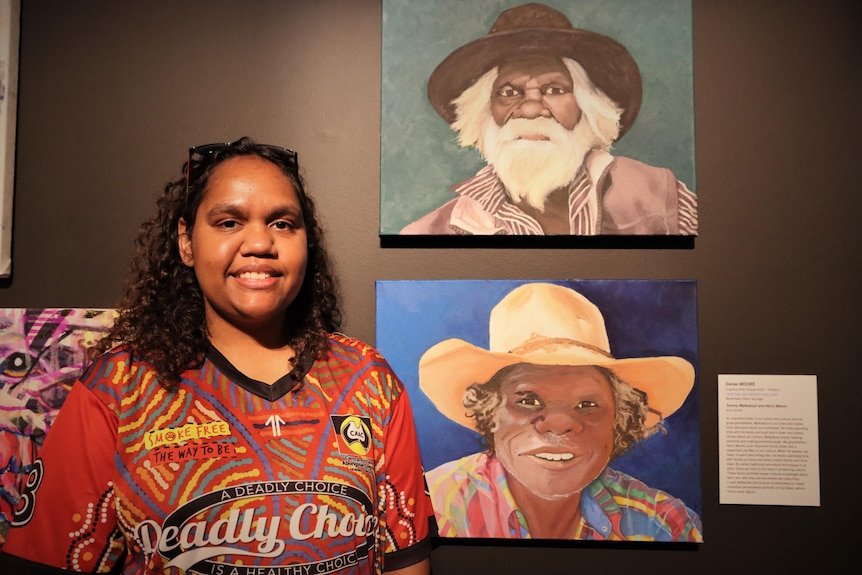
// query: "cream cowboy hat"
[[546, 324], [537, 29]]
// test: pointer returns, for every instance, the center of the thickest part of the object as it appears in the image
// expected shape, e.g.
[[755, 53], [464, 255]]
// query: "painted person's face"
[[535, 87], [555, 432]]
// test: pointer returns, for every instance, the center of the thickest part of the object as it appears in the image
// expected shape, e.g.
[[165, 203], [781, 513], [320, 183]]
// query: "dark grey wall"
[[113, 93]]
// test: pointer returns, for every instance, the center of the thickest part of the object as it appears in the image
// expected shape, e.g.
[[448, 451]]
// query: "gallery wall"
[[112, 94]]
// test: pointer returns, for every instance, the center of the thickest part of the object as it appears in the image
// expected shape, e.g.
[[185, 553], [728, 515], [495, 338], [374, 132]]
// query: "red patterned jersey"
[[227, 475]]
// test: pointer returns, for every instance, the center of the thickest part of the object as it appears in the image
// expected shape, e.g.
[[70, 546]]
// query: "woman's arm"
[[69, 492]]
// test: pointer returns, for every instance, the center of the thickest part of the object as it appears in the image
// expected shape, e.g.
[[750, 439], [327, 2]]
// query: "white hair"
[[600, 112], [473, 108], [532, 169]]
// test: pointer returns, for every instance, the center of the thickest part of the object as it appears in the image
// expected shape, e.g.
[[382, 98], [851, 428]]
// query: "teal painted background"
[[419, 155]]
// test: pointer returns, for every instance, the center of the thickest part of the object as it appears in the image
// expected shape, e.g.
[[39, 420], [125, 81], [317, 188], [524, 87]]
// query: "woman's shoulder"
[[341, 343], [116, 365], [348, 354], [120, 353], [110, 374]]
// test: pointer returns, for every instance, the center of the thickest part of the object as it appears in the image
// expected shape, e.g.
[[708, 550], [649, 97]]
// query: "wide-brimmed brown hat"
[[546, 324], [537, 29]]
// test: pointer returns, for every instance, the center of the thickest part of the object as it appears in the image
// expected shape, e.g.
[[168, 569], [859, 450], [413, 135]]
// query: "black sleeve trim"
[[409, 556], [13, 564]]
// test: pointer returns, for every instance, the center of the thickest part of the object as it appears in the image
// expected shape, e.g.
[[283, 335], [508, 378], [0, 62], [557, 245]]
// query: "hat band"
[[551, 343]]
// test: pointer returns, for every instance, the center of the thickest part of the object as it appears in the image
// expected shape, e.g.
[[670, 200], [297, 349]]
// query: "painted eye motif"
[[15, 365]]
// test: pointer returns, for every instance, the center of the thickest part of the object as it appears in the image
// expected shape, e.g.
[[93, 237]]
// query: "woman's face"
[[248, 246]]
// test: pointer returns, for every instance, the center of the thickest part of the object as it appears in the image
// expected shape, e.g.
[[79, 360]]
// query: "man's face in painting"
[[534, 136], [535, 87], [555, 432]]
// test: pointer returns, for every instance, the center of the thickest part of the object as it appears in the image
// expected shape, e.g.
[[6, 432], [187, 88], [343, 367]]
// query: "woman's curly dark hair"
[[484, 400], [162, 317]]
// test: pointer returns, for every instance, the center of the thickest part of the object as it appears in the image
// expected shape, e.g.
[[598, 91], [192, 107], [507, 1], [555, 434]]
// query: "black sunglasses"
[[291, 157]]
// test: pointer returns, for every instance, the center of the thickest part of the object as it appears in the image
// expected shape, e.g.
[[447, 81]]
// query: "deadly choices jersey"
[[227, 475]]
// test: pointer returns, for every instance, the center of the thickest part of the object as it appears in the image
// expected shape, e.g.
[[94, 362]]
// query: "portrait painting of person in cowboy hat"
[[559, 413], [543, 103]]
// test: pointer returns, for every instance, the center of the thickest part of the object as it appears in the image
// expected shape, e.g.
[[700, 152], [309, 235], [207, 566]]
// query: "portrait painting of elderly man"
[[571, 413], [545, 106]]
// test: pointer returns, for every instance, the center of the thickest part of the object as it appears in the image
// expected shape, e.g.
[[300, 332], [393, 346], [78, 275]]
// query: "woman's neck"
[[264, 355]]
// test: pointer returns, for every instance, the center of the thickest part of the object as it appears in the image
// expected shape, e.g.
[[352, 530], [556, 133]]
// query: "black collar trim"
[[274, 392]]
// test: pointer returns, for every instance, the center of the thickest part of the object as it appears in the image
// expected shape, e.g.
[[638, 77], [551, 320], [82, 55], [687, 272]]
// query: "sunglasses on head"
[[210, 150]]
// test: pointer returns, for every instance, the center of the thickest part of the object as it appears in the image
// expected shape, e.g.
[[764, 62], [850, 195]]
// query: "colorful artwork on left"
[[42, 352], [556, 409]]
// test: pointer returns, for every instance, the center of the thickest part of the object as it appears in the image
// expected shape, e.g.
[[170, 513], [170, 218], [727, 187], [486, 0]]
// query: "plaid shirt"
[[472, 499]]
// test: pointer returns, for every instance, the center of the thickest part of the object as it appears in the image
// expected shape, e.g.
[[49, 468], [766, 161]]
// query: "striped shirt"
[[471, 498], [584, 214]]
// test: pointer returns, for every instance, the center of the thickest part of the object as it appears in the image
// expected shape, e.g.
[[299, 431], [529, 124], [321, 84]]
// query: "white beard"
[[532, 169]]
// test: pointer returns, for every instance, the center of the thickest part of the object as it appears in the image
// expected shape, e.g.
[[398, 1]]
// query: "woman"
[[226, 427]]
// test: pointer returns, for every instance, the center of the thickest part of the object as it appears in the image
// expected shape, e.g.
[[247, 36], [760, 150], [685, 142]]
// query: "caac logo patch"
[[354, 434]]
